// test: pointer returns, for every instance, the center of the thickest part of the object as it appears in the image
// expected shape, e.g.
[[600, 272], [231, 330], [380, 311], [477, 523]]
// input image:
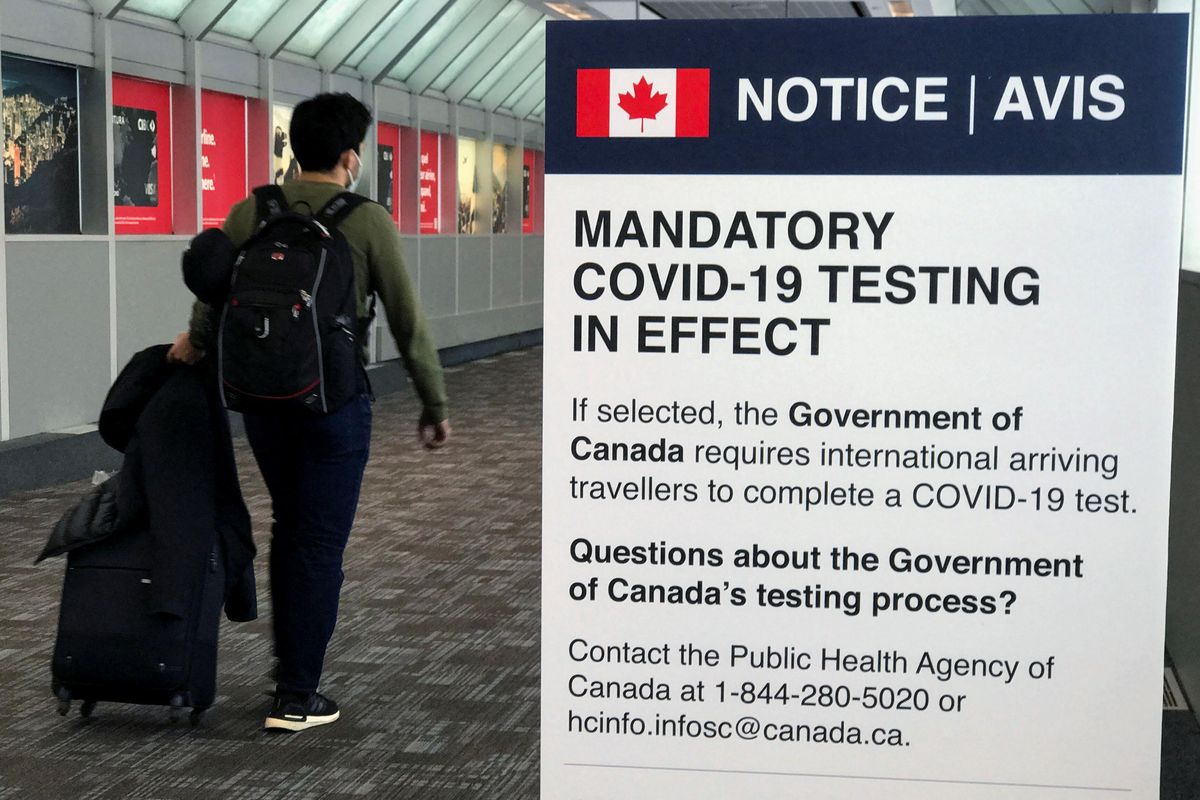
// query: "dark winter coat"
[[178, 480]]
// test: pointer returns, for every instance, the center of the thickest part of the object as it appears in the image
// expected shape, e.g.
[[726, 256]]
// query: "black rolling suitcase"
[[112, 648]]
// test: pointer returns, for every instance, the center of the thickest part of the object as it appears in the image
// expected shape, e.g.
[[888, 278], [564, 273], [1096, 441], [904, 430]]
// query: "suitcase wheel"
[[64, 707], [86, 708], [176, 703], [195, 716]]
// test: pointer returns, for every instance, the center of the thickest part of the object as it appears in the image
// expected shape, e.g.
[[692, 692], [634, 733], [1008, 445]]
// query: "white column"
[[103, 52]]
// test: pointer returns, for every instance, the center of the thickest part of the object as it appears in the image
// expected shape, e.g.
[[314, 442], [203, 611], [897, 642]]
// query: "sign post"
[[859, 355]]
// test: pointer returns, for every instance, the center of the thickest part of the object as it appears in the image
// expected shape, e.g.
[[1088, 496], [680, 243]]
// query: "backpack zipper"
[[317, 331]]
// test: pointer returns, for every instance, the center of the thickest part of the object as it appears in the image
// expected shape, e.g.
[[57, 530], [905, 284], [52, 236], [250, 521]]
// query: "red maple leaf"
[[642, 104]]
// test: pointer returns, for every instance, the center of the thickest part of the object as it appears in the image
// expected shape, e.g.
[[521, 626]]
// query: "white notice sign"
[[858, 409]]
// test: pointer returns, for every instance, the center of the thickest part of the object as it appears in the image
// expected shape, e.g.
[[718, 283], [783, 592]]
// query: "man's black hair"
[[324, 127]]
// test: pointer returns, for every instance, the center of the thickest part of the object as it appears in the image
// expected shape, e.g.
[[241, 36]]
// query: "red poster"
[[222, 154], [388, 163], [407, 199], [141, 156], [529, 188], [539, 191], [428, 194]]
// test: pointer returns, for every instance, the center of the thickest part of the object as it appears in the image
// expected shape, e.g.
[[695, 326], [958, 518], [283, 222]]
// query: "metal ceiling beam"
[[201, 16], [387, 54], [354, 32], [441, 57], [108, 8], [287, 22], [523, 68], [512, 33]]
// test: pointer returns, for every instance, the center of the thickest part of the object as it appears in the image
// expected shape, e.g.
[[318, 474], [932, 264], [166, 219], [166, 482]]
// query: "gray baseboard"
[[48, 459]]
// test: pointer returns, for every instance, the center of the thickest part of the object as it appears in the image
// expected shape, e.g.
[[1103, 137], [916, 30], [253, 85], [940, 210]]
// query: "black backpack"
[[288, 336]]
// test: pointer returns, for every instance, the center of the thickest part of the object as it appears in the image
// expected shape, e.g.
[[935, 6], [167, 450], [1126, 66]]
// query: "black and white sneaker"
[[295, 712]]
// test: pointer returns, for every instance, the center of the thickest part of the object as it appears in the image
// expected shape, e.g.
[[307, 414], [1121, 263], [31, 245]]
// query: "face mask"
[[354, 178]]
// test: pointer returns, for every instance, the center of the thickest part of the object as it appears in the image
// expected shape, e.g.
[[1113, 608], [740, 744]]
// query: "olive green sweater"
[[378, 269]]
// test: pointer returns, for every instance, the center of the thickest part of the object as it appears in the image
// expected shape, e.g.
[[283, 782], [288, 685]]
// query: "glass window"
[[432, 39], [466, 32], [379, 31], [247, 17], [166, 9], [477, 46], [525, 97], [387, 29], [322, 25], [500, 77], [485, 55]]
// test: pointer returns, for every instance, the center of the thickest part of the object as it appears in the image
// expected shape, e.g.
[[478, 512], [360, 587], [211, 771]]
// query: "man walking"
[[313, 464]]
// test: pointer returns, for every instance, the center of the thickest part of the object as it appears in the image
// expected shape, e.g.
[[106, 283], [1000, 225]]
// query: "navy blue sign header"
[[1050, 95]]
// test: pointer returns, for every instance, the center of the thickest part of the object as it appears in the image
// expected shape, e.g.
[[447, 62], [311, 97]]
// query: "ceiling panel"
[[978, 8], [247, 17], [480, 44], [410, 29], [463, 36], [434, 38], [505, 76], [1071, 6], [530, 95], [385, 26], [321, 27], [480, 67], [750, 9], [166, 9]]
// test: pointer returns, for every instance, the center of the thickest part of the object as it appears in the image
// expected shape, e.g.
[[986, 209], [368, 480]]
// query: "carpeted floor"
[[435, 662]]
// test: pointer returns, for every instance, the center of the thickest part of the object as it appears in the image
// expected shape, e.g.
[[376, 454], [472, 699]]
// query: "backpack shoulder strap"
[[269, 202], [333, 213]]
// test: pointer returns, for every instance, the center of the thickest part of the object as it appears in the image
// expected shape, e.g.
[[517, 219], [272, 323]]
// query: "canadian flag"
[[641, 102]]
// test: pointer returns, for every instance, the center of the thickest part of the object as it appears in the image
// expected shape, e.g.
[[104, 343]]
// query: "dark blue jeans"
[[313, 467]]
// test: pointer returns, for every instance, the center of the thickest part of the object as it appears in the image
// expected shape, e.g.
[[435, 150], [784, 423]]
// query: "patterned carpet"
[[434, 663]]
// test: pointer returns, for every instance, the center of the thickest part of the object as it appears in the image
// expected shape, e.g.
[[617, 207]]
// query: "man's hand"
[[182, 351], [434, 434]]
